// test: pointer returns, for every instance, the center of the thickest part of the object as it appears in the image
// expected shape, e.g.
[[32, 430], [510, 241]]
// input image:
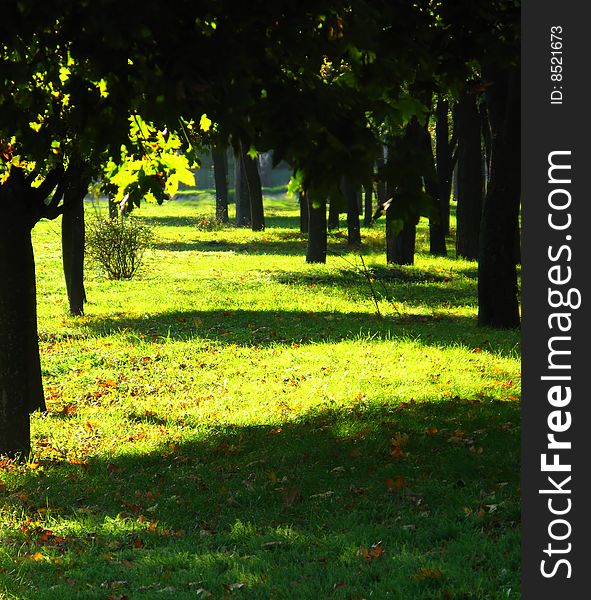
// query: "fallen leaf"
[[397, 483], [68, 410], [375, 551], [425, 573]]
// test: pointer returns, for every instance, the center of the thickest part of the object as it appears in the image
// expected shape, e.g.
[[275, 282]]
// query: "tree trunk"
[[242, 197], [353, 227], [255, 193], [265, 162], [381, 188], [408, 165], [400, 248], [73, 238], [498, 304], [317, 242], [368, 206], [334, 210], [433, 187], [21, 388], [470, 179], [486, 138], [303, 212], [73, 255], [113, 209], [220, 174], [439, 225]]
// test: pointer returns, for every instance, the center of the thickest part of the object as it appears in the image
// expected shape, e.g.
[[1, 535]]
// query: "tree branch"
[[48, 184]]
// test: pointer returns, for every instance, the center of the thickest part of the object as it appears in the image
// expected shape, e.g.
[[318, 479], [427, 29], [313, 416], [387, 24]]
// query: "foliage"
[[118, 244], [152, 169]]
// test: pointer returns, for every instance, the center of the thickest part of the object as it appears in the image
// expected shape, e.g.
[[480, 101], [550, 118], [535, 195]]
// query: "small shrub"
[[209, 223], [118, 244]]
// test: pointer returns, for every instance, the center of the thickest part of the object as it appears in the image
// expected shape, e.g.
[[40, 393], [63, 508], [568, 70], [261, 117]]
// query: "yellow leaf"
[[204, 123]]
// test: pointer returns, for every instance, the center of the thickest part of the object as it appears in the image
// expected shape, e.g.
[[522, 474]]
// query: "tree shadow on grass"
[[282, 236], [412, 287], [271, 328], [414, 497], [193, 222], [287, 244]]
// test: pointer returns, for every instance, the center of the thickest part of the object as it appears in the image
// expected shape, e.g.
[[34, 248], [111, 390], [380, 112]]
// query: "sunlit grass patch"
[[239, 423]]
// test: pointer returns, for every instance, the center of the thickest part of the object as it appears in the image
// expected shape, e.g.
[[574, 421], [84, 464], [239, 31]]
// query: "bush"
[[118, 244], [209, 223]]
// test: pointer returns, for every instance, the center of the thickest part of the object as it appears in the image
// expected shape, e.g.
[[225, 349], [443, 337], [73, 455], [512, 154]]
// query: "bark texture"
[[21, 389], [498, 302], [317, 240], [242, 198], [470, 177], [334, 209], [220, 174], [368, 205], [353, 225], [303, 202], [439, 223], [73, 231]]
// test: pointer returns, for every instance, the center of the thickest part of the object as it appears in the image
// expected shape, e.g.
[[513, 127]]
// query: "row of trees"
[[326, 85], [453, 142]]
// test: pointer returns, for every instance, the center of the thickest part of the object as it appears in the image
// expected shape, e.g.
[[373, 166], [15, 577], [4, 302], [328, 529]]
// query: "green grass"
[[236, 422]]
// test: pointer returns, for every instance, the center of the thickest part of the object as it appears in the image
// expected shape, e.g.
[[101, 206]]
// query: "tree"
[[21, 388], [63, 107], [317, 242], [220, 173], [255, 193], [353, 226], [241, 190], [303, 202], [470, 190], [334, 211], [498, 304], [444, 162], [249, 194], [73, 231], [410, 160], [368, 205]]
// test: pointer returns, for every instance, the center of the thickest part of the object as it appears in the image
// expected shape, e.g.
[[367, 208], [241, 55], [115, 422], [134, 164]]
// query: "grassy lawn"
[[234, 423]]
